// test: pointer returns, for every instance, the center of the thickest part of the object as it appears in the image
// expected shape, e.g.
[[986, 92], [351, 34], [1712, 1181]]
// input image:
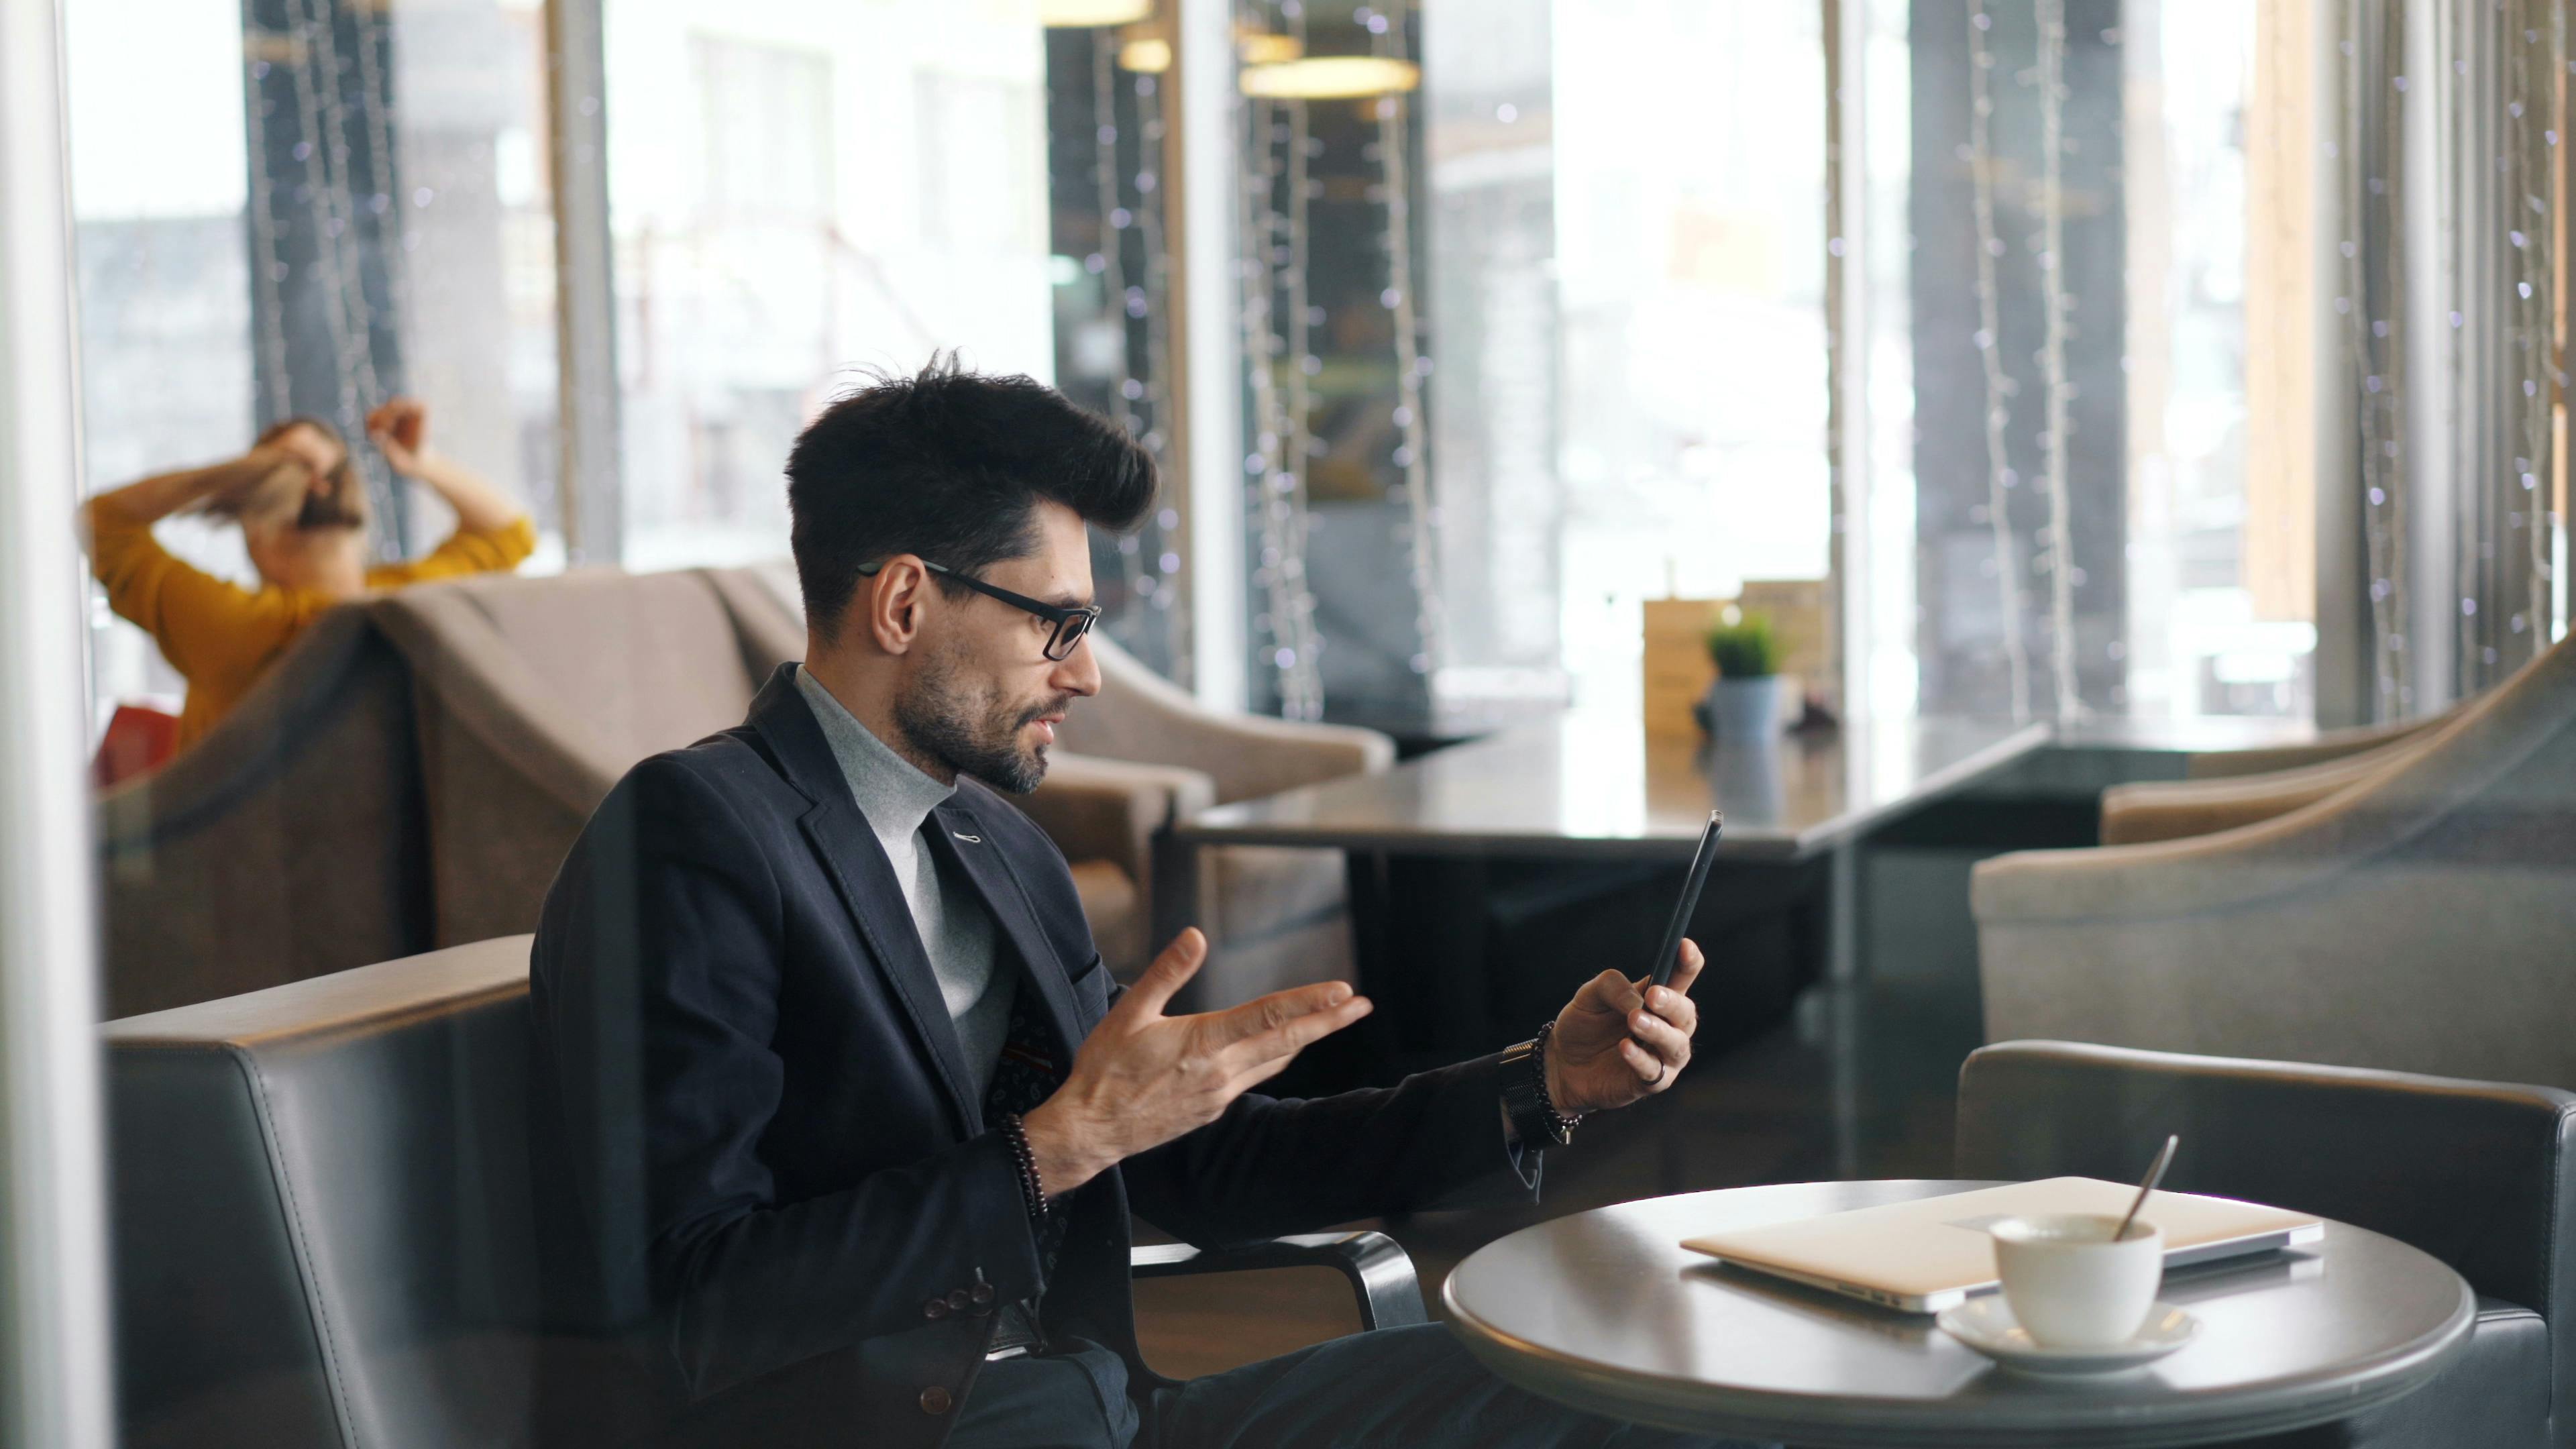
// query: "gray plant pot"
[[1745, 709]]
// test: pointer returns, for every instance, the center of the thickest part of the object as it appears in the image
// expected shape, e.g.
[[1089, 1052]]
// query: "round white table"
[[1606, 1311]]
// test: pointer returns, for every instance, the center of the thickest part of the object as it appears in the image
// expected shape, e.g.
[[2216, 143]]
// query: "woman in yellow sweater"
[[303, 515]]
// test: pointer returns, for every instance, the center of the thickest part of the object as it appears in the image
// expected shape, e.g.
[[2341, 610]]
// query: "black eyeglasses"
[[1071, 622]]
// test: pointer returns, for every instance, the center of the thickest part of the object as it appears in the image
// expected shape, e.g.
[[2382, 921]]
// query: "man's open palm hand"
[[1143, 1078]]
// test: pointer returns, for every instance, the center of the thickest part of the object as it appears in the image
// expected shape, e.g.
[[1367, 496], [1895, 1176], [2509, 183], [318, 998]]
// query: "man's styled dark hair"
[[950, 465]]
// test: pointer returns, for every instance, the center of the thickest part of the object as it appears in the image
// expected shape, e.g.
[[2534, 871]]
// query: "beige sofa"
[[1145, 754], [2422, 918], [291, 841], [408, 776], [412, 772]]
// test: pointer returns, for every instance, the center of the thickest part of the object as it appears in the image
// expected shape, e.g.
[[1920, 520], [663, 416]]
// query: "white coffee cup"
[[2070, 1285]]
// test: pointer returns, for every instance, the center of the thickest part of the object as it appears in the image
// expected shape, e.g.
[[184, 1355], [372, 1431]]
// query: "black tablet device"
[[1669, 956]]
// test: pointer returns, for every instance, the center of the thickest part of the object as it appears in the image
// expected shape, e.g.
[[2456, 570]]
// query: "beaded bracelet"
[[1538, 1062], [1032, 1195]]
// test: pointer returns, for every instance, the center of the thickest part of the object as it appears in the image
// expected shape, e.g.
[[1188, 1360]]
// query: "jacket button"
[[957, 1300], [935, 1400], [982, 1294], [935, 1308]]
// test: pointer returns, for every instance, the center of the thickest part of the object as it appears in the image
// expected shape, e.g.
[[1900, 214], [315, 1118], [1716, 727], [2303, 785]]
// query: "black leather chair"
[[2475, 1173], [326, 1233]]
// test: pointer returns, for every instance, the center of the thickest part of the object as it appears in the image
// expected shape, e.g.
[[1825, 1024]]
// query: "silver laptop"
[[1925, 1255]]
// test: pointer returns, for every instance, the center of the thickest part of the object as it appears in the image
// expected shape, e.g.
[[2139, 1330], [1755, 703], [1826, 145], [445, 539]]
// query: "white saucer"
[[1986, 1325]]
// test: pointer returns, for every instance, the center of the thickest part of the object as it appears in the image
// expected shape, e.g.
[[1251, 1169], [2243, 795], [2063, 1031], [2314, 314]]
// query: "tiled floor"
[[1762, 1113]]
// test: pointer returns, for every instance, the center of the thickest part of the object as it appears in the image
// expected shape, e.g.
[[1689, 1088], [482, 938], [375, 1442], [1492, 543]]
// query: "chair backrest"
[[767, 608], [325, 1232], [409, 773], [535, 696], [645, 661], [2419, 920], [2475, 1173], [288, 842], [1141, 716]]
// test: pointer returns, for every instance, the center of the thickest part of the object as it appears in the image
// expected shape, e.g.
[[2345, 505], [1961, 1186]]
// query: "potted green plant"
[[1744, 702]]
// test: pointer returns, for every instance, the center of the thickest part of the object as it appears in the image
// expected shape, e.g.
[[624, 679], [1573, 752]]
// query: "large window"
[[1590, 247], [1691, 250], [799, 191], [322, 205], [2222, 515], [2091, 517]]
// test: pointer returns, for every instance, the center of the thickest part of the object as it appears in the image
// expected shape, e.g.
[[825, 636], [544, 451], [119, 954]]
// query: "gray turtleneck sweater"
[[956, 933]]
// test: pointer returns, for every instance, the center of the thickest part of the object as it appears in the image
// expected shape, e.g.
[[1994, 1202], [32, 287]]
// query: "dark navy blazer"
[[753, 1101]]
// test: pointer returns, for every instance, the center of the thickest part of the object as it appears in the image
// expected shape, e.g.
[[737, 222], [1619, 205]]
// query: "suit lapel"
[[865, 882], [848, 848], [962, 842]]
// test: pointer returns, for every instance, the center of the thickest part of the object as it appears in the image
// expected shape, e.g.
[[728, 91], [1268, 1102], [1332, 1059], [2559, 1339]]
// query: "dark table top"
[[1605, 1310], [1595, 787]]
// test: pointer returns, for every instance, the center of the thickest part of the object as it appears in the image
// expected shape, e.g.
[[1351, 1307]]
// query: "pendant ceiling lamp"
[[1331, 77], [1143, 50], [1087, 14], [1260, 47]]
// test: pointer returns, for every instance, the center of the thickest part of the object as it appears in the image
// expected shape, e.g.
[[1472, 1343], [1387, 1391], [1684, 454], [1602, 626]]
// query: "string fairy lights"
[[1411, 366], [1272, 250], [2494, 181], [2060, 554], [1280, 316], [1989, 340], [327, 191], [1133, 267], [2536, 47], [2447, 304], [268, 271], [1126, 390], [2373, 305], [1158, 380], [2056, 555]]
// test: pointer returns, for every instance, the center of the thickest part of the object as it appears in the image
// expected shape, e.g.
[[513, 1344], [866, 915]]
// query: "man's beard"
[[971, 730]]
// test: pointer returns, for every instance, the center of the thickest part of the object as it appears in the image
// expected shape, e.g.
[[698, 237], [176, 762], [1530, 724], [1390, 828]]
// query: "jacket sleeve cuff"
[[1488, 1177], [1002, 1247]]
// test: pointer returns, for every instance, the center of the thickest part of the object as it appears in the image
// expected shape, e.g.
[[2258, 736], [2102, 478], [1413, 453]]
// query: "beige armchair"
[[1275, 915], [2326, 748], [2225, 789], [534, 696], [1137, 759], [291, 841], [2177, 809], [2419, 919]]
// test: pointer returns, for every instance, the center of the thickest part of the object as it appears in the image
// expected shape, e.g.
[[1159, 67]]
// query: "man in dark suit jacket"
[[851, 1111]]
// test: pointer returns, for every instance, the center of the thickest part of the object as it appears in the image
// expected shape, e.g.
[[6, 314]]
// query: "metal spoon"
[[2155, 1174]]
